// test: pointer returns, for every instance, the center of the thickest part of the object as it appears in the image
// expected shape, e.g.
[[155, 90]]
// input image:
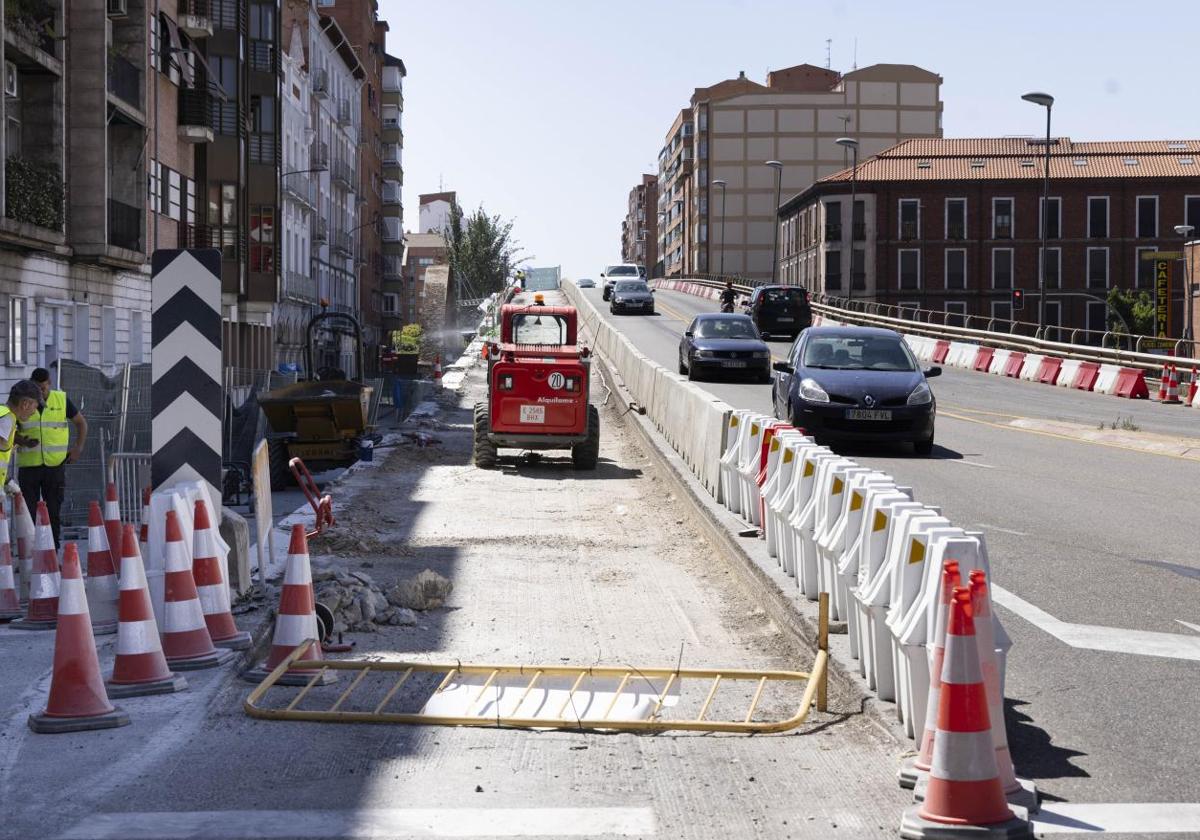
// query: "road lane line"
[[1189, 625], [967, 463], [984, 526], [367, 823], [1117, 817]]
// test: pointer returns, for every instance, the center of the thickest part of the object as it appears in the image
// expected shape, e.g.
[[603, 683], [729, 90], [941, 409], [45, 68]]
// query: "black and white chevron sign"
[[185, 368]]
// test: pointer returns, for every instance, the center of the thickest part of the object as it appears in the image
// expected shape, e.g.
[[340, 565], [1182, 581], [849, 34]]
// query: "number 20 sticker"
[[557, 381]]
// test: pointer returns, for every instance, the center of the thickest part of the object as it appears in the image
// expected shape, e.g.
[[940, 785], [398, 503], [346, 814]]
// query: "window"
[[858, 268], [956, 218], [909, 265], [189, 208], [82, 333], [1097, 319], [910, 219], [391, 303], [859, 220], [1052, 265], [223, 217], [1191, 214], [262, 239], [108, 335], [1098, 217], [1002, 268], [1147, 216], [262, 129], [956, 268], [18, 309], [174, 194], [1002, 218], [833, 221], [1054, 220], [956, 313], [154, 190], [136, 337], [1054, 316], [1002, 310], [1144, 270], [224, 77], [1097, 268], [12, 136], [833, 270]]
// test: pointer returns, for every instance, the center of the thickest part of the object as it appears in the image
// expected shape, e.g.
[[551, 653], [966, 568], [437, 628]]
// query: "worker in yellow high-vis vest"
[[23, 400], [44, 449]]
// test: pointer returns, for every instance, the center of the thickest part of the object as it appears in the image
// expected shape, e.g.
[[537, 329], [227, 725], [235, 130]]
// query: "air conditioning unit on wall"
[[10, 79]]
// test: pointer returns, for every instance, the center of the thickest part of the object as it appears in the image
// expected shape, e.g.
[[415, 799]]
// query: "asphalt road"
[[1089, 533]]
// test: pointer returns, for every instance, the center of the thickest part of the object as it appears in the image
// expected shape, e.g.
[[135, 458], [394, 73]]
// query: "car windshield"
[[533, 328], [631, 286], [858, 353], [622, 271], [783, 297], [726, 328]]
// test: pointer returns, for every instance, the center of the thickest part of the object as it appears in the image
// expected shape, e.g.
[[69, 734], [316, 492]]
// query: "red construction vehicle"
[[538, 383]]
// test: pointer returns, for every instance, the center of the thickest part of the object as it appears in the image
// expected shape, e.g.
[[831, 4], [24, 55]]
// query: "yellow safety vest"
[[6, 445], [51, 431]]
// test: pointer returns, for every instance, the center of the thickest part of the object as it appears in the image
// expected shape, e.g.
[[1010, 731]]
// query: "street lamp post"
[[1185, 231], [848, 264], [717, 182], [778, 167], [1047, 102]]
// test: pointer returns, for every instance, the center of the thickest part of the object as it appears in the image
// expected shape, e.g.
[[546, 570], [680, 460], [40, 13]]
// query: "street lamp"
[[1185, 231], [848, 264], [717, 182], [778, 167], [1047, 102]]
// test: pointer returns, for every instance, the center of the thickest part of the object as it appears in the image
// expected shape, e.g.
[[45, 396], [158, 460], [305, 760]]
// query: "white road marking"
[[967, 463], [984, 526], [1117, 817], [1189, 625], [1094, 637], [367, 823]]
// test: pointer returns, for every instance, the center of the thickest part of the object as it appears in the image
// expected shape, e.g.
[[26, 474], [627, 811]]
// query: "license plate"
[[865, 414], [733, 364], [533, 414], [785, 320]]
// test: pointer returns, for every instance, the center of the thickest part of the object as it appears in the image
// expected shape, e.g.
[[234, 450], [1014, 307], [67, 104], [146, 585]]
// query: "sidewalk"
[[548, 565]]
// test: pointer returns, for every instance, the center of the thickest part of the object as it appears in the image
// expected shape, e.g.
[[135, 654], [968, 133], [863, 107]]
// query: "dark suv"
[[780, 310]]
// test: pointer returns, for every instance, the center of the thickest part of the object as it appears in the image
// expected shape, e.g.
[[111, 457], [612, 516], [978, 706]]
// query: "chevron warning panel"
[[185, 368]]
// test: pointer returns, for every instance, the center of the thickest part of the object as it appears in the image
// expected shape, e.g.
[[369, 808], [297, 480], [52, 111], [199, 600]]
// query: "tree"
[[1136, 307], [408, 339], [480, 251]]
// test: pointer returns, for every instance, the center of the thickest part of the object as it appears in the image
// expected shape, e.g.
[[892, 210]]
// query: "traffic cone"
[[144, 533], [140, 667], [10, 603], [42, 610], [77, 699], [437, 368], [1162, 384], [910, 771], [1172, 397], [101, 584], [23, 530], [211, 585], [296, 620], [112, 524], [1194, 388], [185, 638], [964, 784]]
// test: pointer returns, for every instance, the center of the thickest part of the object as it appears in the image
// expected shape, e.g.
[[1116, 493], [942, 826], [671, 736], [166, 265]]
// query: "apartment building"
[[433, 212], [731, 129], [392, 173], [954, 225], [639, 228], [423, 251]]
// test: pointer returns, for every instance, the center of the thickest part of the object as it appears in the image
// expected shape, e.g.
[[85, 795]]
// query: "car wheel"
[[766, 378], [682, 367], [693, 375], [924, 448]]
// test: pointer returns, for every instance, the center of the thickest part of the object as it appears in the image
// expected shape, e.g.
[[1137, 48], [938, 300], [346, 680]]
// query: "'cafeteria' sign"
[[1162, 298]]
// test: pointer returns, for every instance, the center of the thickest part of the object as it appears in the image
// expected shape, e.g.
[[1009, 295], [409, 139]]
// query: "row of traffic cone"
[[1168, 386]]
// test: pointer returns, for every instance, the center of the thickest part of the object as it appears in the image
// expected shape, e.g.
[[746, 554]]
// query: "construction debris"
[[360, 605], [425, 591]]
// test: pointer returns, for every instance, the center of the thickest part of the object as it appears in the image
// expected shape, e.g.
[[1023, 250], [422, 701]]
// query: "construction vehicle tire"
[[585, 455], [485, 450], [277, 460]]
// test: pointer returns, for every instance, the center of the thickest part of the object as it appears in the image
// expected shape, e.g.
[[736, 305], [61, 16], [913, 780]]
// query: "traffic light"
[[1018, 299]]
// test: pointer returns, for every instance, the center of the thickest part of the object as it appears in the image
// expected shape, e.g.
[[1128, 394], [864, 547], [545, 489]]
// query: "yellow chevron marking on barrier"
[[788, 455], [733, 421], [754, 428], [774, 444], [855, 500], [880, 521], [916, 552], [837, 486], [808, 469]]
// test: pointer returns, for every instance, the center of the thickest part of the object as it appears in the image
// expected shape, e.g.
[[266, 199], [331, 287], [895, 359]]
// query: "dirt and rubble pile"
[[361, 605]]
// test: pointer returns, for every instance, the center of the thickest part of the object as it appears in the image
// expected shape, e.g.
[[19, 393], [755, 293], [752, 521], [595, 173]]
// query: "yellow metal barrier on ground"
[[552, 696]]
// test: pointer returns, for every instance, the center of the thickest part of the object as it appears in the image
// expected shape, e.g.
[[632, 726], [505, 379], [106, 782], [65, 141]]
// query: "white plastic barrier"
[[1067, 373], [1029, 368], [999, 361], [829, 487], [736, 430], [779, 479], [748, 470], [804, 513], [836, 500], [804, 482], [1106, 381], [859, 563], [962, 354], [842, 533]]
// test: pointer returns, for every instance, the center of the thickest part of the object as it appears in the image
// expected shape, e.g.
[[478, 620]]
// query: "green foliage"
[[32, 19], [1135, 306], [408, 339], [34, 192], [481, 251]]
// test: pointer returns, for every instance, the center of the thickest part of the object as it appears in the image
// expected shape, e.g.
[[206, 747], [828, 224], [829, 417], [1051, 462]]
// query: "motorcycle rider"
[[728, 296]]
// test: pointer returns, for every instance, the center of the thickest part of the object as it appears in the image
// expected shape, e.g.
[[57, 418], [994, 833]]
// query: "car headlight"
[[811, 391], [921, 395], [705, 354]]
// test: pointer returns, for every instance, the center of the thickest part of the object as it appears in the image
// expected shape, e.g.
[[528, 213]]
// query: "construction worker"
[[23, 400], [43, 448]]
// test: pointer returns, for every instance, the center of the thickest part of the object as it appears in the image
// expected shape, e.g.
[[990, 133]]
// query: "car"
[[622, 271], [631, 296], [780, 310], [585, 283], [856, 384], [726, 343]]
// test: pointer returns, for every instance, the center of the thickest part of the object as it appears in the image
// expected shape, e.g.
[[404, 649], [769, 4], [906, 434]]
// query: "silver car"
[[632, 296]]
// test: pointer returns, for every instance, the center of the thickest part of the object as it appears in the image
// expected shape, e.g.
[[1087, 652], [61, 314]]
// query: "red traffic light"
[[1018, 299]]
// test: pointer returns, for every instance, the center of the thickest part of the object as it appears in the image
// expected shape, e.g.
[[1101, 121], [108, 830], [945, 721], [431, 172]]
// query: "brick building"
[[954, 225], [639, 228], [392, 230], [423, 251]]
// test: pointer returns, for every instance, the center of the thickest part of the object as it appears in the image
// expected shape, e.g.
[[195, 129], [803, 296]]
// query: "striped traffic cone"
[[77, 699], [140, 667], [1162, 384], [296, 620], [1194, 388], [101, 584], [144, 532], [23, 530], [10, 603], [185, 638], [211, 585], [964, 790], [437, 368], [112, 523], [1172, 397], [910, 771], [42, 610]]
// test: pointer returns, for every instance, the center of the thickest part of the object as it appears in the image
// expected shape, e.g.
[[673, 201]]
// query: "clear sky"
[[547, 112]]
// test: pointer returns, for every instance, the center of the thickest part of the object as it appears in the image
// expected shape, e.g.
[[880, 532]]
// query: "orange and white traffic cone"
[[1172, 397], [964, 790], [144, 532], [911, 771], [102, 589], [112, 523], [185, 638], [1162, 384], [42, 611], [296, 620], [211, 586], [10, 603], [77, 699], [140, 667], [24, 532], [1194, 388], [437, 368]]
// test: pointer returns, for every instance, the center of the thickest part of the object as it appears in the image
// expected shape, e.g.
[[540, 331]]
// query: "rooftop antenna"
[[828, 53], [854, 65], [846, 120], [440, 189]]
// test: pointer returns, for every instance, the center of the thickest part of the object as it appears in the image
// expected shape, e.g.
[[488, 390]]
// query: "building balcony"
[[29, 30], [299, 287], [263, 148], [393, 268], [956, 232], [391, 193], [318, 156], [343, 173], [390, 123], [908, 231], [345, 115], [301, 188], [342, 243], [833, 232], [320, 231], [125, 226], [125, 81], [320, 83], [195, 18], [263, 57], [195, 116], [859, 231]]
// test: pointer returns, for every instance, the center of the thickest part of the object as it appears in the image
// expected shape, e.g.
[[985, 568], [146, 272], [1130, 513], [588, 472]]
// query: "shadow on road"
[[1034, 755], [560, 468]]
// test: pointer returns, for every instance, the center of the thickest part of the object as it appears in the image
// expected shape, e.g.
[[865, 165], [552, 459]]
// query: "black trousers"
[[47, 484]]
